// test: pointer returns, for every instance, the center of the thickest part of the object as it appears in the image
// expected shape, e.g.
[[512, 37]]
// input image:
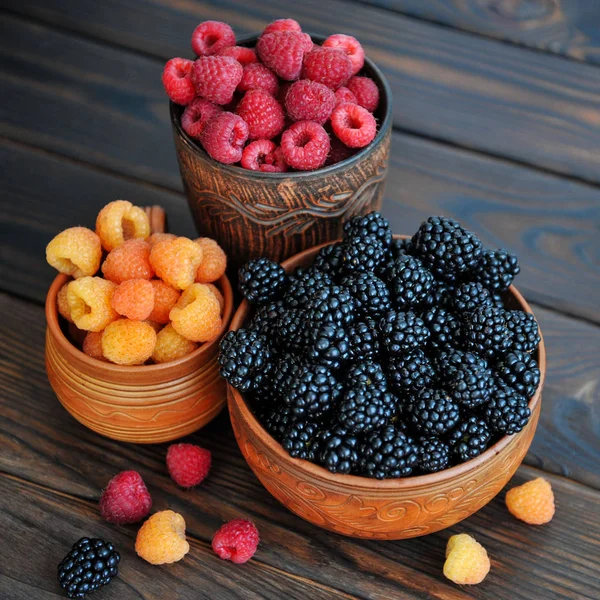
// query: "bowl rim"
[[382, 83], [52, 322], [356, 481]]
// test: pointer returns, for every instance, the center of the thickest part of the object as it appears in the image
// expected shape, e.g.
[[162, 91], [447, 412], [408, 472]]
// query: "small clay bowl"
[[368, 508], [144, 404], [277, 215]]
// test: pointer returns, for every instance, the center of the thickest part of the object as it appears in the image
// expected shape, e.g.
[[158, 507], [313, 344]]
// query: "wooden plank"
[[464, 89], [568, 27]]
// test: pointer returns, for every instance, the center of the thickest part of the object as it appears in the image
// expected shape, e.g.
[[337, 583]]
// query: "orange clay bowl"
[[368, 508], [144, 404]]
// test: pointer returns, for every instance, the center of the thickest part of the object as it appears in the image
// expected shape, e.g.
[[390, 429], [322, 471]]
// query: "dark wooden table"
[[496, 123]]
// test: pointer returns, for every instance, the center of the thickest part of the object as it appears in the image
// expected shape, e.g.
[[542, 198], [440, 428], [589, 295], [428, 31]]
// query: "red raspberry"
[[339, 151], [245, 56], [328, 66], [258, 77], [263, 114], [305, 145], [197, 115], [343, 95], [282, 25], [125, 499], [309, 101], [212, 36], [366, 92], [265, 156], [282, 52], [188, 465], [351, 46], [216, 78], [177, 81], [353, 125], [236, 541], [224, 137]]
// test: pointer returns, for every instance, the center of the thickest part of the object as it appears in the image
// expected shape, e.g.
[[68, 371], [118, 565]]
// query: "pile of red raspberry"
[[286, 104]]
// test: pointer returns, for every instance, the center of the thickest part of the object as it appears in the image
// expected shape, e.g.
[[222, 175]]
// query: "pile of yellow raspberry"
[[152, 299]]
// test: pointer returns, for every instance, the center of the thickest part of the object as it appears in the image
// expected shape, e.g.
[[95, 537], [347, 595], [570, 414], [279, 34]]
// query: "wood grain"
[[460, 88]]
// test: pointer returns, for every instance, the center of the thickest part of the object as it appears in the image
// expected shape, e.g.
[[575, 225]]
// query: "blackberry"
[[245, 359], [313, 392], [261, 280], [265, 318], [410, 282], [330, 346], [401, 247], [443, 326], [524, 329], [291, 330], [520, 371], [410, 372], [91, 564], [468, 296], [367, 373], [497, 300], [446, 248], [338, 450], [285, 370], [388, 452], [434, 454], [363, 341], [277, 420], [402, 332], [304, 286], [469, 439], [496, 269], [370, 293], [371, 225], [486, 332], [433, 412], [332, 305], [329, 259], [507, 412], [366, 407], [298, 439], [361, 254], [466, 376]]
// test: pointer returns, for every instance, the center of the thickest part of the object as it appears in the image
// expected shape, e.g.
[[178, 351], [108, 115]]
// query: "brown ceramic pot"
[[277, 215], [368, 508]]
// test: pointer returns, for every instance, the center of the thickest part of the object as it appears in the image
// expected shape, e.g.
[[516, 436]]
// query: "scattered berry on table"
[[188, 465], [262, 113], [196, 115], [170, 345], [120, 221], [257, 77], [224, 137], [388, 452], [467, 562], [351, 46], [177, 81], [125, 499], [236, 541], [305, 145], [365, 91], [161, 539], [90, 303], [309, 101], [532, 502], [76, 251], [197, 314], [210, 37], [127, 342], [261, 280], [130, 260], [354, 125], [134, 299]]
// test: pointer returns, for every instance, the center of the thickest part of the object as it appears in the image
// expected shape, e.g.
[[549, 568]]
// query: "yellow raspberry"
[[170, 345], [532, 502], [131, 260], [156, 326], [92, 345], [90, 303], [214, 261], [159, 237], [197, 314], [176, 261], [127, 342], [165, 298], [161, 539], [75, 251], [467, 562], [119, 221], [62, 303], [134, 299], [217, 292]]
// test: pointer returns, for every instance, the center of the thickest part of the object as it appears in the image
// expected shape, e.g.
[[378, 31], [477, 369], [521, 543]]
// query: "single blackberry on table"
[[371, 225], [313, 392], [432, 411], [245, 359], [338, 450], [443, 326], [361, 254], [434, 454], [367, 373], [470, 295], [290, 331], [402, 332], [329, 345], [91, 564], [363, 340], [370, 293], [524, 329], [469, 439], [332, 305], [366, 407], [446, 248], [329, 259], [486, 332], [496, 269], [410, 372], [388, 453], [299, 437], [277, 419], [266, 317], [507, 411], [520, 371], [410, 282], [261, 280], [303, 287]]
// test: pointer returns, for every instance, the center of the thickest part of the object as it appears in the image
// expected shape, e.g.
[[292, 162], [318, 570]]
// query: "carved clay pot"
[[368, 508], [277, 215]]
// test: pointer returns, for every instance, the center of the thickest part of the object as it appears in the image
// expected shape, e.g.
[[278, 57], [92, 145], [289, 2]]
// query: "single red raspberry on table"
[[365, 91], [177, 80], [245, 56], [354, 125], [309, 101], [282, 25], [216, 78], [236, 541], [328, 66], [339, 152], [212, 36], [343, 95], [305, 145], [263, 114], [265, 156], [197, 115], [351, 46], [125, 499], [188, 464], [283, 52], [224, 137], [258, 77]]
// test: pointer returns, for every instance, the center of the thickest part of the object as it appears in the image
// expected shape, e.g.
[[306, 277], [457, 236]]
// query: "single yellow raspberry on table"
[[197, 314], [75, 251], [176, 261], [90, 305], [134, 299], [165, 298], [92, 345], [170, 345], [130, 260], [214, 261], [467, 562], [217, 292], [161, 539], [62, 303], [532, 502], [120, 221], [127, 342]]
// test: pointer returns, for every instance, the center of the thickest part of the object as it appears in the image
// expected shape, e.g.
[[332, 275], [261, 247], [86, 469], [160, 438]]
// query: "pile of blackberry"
[[386, 358]]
